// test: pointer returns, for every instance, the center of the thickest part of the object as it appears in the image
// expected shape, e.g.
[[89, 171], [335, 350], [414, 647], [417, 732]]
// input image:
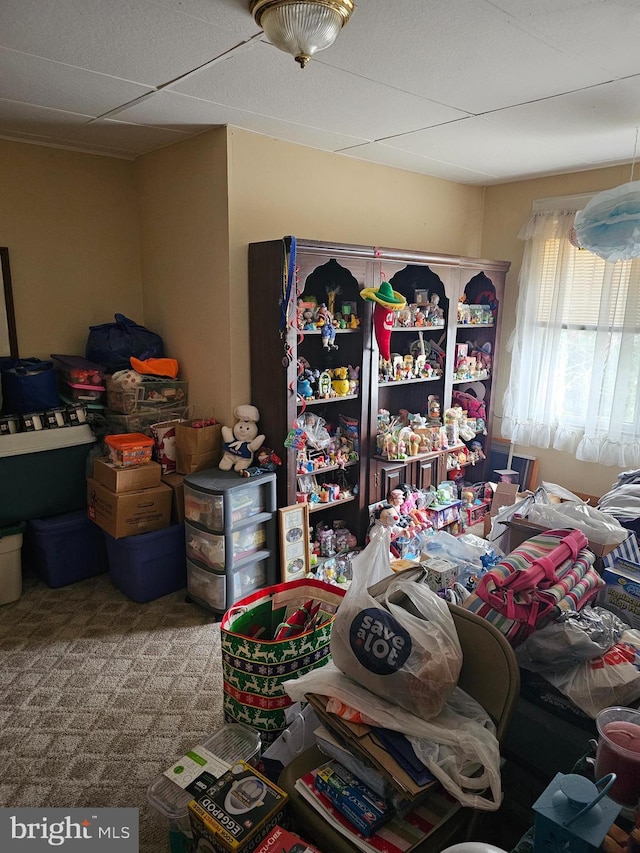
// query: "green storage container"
[[43, 473]]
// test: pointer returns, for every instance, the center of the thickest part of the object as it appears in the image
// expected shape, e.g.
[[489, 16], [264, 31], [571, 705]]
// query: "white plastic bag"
[[397, 638], [612, 679], [597, 526], [458, 746]]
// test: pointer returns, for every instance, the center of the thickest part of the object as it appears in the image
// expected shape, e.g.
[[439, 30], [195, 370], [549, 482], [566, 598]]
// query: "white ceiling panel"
[[464, 53], [476, 91], [319, 96], [604, 33], [193, 116], [140, 41], [62, 87], [378, 152]]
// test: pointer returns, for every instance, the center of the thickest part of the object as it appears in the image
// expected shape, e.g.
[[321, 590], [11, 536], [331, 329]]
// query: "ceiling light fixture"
[[301, 27]]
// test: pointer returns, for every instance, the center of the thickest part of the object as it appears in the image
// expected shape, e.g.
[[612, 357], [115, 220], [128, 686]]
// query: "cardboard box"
[[441, 573], [622, 591], [130, 479], [128, 513], [176, 482], [506, 494], [521, 529], [233, 813], [283, 841]]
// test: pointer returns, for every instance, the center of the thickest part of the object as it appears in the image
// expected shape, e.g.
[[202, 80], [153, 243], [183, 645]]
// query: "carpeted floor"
[[99, 694]]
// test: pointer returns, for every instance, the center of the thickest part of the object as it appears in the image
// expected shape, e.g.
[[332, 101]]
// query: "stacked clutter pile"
[[44, 442], [398, 735], [128, 500], [541, 597]]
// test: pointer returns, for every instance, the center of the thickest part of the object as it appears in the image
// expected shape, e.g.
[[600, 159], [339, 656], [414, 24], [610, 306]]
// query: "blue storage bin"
[[64, 549], [148, 565]]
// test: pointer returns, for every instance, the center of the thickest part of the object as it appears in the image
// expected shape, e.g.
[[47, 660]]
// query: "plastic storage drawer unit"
[[232, 743], [149, 565], [65, 548], [208, 509], [230, 535], [210, 588]]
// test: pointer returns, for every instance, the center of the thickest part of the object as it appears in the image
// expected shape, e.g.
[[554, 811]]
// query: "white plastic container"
[[11, 563], [233, 742]]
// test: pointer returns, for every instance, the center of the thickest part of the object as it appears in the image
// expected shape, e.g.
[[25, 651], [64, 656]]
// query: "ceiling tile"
[[378, 152], [62, 87], [468, 54], [140, 41], [179, 112], [318, 96]]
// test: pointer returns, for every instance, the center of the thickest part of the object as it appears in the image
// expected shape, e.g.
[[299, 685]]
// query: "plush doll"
[[241, 442]]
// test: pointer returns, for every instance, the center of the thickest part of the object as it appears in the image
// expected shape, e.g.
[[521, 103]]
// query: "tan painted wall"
[[70, 223], [182, 193], [276, 188], [507, 207]]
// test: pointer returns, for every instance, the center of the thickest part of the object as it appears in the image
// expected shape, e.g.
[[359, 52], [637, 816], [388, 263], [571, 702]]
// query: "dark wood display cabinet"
[[453, 307]]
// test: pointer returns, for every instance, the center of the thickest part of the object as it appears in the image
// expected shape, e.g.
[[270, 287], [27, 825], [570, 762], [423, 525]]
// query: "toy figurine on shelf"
[[327, 328], [267, 461], [433, 410], [435, 315]]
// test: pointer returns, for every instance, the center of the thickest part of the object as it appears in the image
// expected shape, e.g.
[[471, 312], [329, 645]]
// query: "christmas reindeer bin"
[[270, 636]]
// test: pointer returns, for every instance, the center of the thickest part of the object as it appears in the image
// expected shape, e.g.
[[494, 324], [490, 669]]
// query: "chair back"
[[490, 672]]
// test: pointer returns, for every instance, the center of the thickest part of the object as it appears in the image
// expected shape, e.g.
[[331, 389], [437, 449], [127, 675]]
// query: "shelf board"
[[313, 507], [328, 468], [319, 331], [327, 400], [476, 379], [425, 328], [401, 382], [476, 326]]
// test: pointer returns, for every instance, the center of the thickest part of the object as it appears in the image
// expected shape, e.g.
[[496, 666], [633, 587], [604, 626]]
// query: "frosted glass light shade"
[[301, 27]]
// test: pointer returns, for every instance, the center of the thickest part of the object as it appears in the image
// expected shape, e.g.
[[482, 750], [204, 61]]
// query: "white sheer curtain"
[[575, 349]]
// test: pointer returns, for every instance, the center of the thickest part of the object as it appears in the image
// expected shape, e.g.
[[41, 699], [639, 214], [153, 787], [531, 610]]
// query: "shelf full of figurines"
[[423, 361], [425, 312], [336, 383], [475, 315], [324, 454], [324, 319], [472, 362], [409, 435]]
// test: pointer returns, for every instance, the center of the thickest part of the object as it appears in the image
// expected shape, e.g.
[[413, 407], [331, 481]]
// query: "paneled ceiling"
[[473, 91]]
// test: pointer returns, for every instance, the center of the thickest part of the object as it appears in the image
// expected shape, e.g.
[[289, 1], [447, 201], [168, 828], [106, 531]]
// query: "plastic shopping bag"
[[458, 746], [396, 638], [606, 681]]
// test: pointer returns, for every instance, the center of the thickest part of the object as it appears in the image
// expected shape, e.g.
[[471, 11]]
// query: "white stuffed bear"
[[242, 442]]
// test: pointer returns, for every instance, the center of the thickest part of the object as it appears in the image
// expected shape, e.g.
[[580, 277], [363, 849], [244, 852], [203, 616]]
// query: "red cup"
[[619, 753]]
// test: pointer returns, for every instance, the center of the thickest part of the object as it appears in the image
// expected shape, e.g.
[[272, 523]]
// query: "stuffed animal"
[[241, 442]]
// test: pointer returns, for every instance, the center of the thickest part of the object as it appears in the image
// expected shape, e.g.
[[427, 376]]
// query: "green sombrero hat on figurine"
[[387, 301], [384, 295]]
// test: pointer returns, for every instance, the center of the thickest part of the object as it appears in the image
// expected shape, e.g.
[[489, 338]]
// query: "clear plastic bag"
[[610, 680], [458, 746], [396, 638], [570, 640], [597, 526]]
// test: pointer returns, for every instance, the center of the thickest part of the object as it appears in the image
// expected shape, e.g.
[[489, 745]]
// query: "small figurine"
[[435, 313], [267, 462], [327, 329], [241, 442]]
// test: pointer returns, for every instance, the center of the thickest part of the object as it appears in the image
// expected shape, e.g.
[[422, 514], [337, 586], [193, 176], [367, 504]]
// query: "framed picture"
[[294, 541], [8, 337]]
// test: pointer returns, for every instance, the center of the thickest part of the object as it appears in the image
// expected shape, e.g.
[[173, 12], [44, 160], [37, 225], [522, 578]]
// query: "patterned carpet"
[[99, 694]]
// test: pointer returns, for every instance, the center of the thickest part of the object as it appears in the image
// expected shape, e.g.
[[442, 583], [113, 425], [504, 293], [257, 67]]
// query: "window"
[[575, 349]]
